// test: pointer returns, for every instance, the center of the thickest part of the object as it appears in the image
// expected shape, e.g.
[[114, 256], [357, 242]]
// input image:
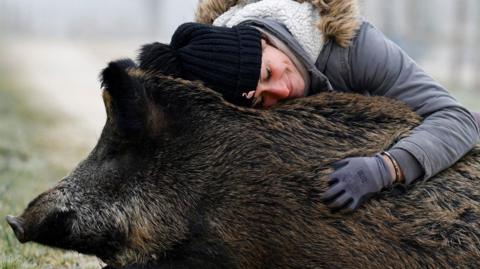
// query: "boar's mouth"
[[54, 230]]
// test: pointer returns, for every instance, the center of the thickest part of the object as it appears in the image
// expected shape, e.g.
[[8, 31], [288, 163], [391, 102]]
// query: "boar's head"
[[170, 145], [130, 195]]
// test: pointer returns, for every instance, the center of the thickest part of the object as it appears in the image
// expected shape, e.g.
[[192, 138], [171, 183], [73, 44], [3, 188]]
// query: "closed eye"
[[269, 73]]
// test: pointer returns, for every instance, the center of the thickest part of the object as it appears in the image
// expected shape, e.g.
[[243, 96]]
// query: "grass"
[[34, 155]]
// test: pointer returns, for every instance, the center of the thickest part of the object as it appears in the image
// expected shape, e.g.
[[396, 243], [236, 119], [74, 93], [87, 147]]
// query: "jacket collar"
[[340, 19]]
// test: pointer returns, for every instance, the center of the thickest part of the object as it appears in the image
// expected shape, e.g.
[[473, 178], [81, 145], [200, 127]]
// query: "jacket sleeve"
[[448, 130]]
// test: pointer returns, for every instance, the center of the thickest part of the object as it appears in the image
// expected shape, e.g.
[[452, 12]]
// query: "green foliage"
[[30, 154]]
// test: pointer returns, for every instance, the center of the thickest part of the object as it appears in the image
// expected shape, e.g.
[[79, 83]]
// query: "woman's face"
[[279, 78]]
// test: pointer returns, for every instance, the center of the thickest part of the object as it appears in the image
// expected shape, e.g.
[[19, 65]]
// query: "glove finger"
[[335, 177], [339, 164], [333, 181], [341, 202], [333, 192], [355, 203]]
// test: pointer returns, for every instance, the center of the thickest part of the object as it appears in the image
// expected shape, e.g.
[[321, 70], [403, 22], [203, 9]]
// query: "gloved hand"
[[355, 180]]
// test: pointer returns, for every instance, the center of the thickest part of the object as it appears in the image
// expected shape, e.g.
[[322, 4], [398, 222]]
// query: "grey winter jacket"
[[374, 65]]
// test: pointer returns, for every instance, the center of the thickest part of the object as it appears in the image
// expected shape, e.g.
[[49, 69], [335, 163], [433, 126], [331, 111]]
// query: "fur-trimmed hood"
[[339, 21]]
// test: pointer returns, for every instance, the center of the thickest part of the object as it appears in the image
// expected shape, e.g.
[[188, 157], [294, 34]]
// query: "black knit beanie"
[[228, 60]]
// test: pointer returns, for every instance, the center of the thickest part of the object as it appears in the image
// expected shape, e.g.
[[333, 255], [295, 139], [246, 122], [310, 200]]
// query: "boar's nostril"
[[17, 227]]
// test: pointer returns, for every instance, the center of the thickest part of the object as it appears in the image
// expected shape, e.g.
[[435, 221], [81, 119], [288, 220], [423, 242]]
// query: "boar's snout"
[[17, 227]]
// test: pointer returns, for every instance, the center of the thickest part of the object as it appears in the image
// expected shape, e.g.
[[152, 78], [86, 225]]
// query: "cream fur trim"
[[300, 19], [340, 19]]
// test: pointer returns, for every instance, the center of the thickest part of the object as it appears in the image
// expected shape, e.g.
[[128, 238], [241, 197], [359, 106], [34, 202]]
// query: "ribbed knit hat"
[[228, 60]]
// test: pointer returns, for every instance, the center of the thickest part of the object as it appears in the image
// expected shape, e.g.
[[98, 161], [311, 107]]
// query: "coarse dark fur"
[[182, 179]]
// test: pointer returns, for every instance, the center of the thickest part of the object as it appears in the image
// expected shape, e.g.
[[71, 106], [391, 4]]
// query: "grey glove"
[[355, 180]]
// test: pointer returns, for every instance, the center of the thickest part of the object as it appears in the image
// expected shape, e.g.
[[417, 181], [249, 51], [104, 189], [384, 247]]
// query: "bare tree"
[[413, 19], [387, 15], [419, 36], [153, 21], [477, 45], [458, 41]]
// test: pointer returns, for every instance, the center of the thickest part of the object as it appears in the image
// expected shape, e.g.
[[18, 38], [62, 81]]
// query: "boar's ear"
[[124, 99]]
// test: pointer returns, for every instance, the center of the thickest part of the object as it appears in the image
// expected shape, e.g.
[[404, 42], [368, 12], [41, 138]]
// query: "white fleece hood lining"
[[299, 18]]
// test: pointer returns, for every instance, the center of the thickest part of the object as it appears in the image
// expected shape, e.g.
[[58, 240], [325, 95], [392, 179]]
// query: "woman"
[[262, 52]]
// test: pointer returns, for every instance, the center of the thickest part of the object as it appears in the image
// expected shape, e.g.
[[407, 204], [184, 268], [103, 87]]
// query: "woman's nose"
[[273, 93], [275, 87]]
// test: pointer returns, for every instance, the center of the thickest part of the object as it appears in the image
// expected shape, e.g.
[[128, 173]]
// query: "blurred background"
[[51, 111]]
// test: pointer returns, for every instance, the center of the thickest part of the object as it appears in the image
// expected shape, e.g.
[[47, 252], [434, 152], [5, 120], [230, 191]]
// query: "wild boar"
[[180, 178]]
